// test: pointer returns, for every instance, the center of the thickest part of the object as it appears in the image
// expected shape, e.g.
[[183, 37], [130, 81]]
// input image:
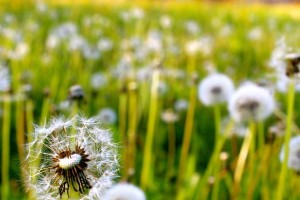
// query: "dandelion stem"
[[187, 136], [189, 121], [29, 117], [122, 130], [242, 159], [5, 147], [20, 119], [132, 131], [287, 137], [150, 130], [171, 151], [209, 170], [261, 135], [217, 116]]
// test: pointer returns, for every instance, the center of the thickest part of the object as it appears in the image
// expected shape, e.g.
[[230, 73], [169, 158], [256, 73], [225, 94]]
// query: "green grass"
[[236, 55]]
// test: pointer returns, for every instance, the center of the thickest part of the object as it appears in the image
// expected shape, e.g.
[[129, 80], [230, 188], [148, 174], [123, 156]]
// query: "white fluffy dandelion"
[[5, 78], [215, 89], [68, 157], [124, 191], [169, 116], [107, 116], [181, 105], [294, 154], [251, 102]]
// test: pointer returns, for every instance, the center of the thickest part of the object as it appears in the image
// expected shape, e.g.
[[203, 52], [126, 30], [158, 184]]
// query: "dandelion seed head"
[[215, 89], [98, 80], [169, 116], [107, 116], [73, 153], [76, 92], [181, 105], [165, 21], [294, 154], [124, 191], [251, 102], [5, 78], [192, 27]]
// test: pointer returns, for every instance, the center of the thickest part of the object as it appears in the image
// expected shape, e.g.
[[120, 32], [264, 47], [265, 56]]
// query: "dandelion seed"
[[294, 154], [137, 13], [215, 89], [4, 78], [165, 21], [237, 129], [76, 93], [255, 34], [70, 155], [251, 102], [98, 80], [181, 105], [76, 43], [277, 57], [124, 191], [107, 116], [277, 130], [104, 44], [192, 27], [169, 116], [293, 64]]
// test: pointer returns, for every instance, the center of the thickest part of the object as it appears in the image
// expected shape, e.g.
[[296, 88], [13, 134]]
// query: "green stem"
[[5, 147], [150, 130], [189, 122], [261, 135], [187, 136], [122, 130], [171, 150], [203, 191], [29, 118], [132, 115], [246, 146], [287, 137], [20, 137], [217, 116]]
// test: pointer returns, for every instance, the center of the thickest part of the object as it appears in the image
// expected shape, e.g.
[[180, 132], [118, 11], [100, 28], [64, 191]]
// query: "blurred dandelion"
[[76, 93], [98, 80], [124, 191], [251, 102], [107, 116], [181, 105], [5, 78], [294, 154], [215, 89]]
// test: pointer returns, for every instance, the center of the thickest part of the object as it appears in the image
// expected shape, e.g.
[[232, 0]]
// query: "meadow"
[[141, 69]]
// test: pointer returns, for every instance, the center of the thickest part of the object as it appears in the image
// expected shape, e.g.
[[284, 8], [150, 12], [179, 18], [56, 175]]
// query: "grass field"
[[139, 66]]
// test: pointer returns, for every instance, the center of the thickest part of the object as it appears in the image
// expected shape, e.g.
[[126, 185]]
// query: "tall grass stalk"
[[5, 147], [287, 137], [150, 130]]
